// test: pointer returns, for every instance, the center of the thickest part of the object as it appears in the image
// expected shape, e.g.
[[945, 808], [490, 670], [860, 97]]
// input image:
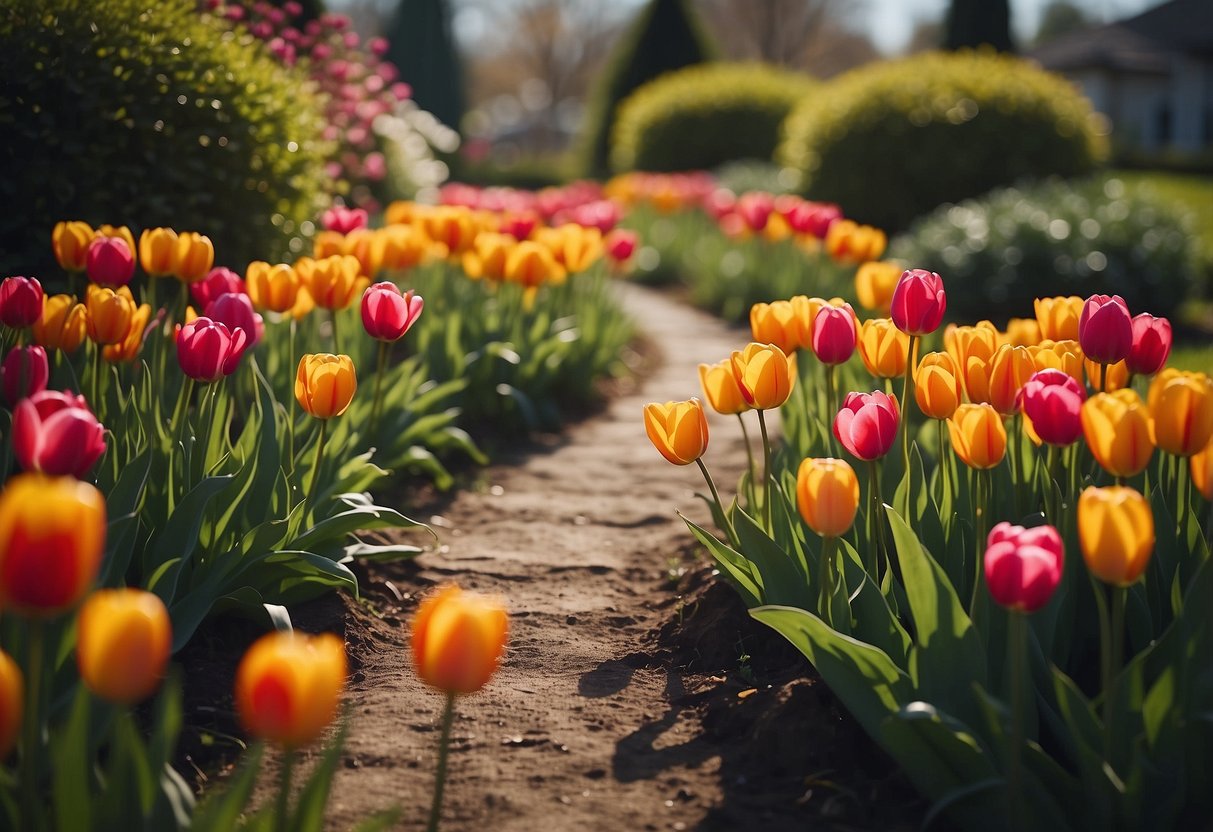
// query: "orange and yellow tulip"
[[678, 430], [937, 386], [883, 348], [531, 264], [404, 246], [765, 375], [193, 256], [1023, 332], [325, 384], [978, 435], [1116, 533], [288, 686], [123, 640], [70, 240], [1118, 375], [110, 313], [1059, 355], [458, 638], [1058, 317], [1181, 407], [720, 388], [874, 284], [128, 347], [827, 495], [1117, 428], [1009, 372], [275, 288], [332, 281], [157, 251], [487, 257], [63, 325], [776, 323]]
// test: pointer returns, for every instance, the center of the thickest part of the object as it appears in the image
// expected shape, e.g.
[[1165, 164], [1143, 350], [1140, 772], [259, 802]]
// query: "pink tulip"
[[817, 220], [620, 244], [1052, 399], [218, 281], [24, 372], [387, 314], [867, 424], [57, 434], [1151, 344], [518, 226], [720, 203], [236, 312], [834, 334], [1023, 566], [208, 350], [20, 301], [344, 220], [1105, 329], [110, 261], [755, 209], [919, 302]]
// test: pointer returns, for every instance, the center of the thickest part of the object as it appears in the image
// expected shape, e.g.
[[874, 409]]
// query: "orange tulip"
[[827, 495], [488, 256], [1118, 375], [123, 640], [458, 638], [193, 256], [679, 430], [109, 314], [972, 349], [63, 325], [1008, 373], [157, 251], [275, 288], [776, 323], [883, 348], [874, 284], [936, 386], [404, 246], [720, 388], [325, 384], [453, 226], [1181, 406], [1058, 317], [978, 435], [532, 264], [1117, 428], [12, 703], [1059, 355], [70, 241], [765, 375], [848, 242], [1202, 471], [332, 281], [1116, 532], [288, 686], [128, 347]]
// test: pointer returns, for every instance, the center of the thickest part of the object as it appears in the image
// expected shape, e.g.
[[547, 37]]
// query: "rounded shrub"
[[146, 113], [704, 116], [999, 252], [892, 140]]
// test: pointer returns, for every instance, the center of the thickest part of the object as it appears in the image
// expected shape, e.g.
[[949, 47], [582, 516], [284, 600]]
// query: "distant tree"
[[665, 36], [774, 31], [423, 49], [1060, 17], [972, 23]]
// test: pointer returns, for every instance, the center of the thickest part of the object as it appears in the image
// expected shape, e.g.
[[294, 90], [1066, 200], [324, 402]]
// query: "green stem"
[[825, 605], [1053, 508], [766, 457], [336, 337], [311, 492], [32, 726], [95, 399], [749, 455], [905, 422], [728, 526], [282, 808], [1013, 459], [945, 479], [1115, 661], [380, 369], [1105, 639], [1017, 646], [292, 366], [875, 531], [981, 522], [444, 741], [183, 397], [1183, 493], [831, 407]]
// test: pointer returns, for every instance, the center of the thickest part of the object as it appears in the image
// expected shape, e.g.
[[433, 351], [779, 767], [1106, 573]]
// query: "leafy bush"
[[147, 110], [936, 128], [1001, 251], [704, 116]]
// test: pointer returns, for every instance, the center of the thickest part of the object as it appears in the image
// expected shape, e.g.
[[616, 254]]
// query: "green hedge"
[[999, 252], [145, 111], [893, 140], [704, 116]]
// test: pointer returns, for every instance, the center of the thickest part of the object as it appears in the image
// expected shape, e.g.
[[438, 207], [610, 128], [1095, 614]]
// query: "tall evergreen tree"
[[423, 48], [667, 35], [973, 23]]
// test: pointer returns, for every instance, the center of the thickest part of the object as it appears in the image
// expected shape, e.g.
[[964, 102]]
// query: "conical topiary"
[[423, 49]]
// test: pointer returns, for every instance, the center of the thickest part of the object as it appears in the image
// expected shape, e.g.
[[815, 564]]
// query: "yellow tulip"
[[883, 348], [720, 388], [328, 243], [1023, 332], [1118, 375], [1116, 532], [978, 435], [532, 264], [1181, 406], [332, 281], [70, 241], [765, 375], [193, 256], [109, 314], [848, 242], [325, 384], [678, 430], [367, 245], [827, 495], [488, 256], [874, 284], [157, 248], [1117, 428], [776, 323], [937, 386], [404, 246], [63, 324], [1058, 317], [453, 226], [972, 349], [579, 247], [1059, 355], [126, 348], [123, 640], [275, 288]]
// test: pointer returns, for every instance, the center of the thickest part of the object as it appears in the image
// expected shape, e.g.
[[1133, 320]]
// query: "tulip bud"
[[883, 348], [1202, 471], [972, 350], [919, 302], [720, 388], [20, 301], [978, 435], [387, 314], [1105, 329], [936, 386], [157, 248], [123, 640], [1008, 373], [1151, 344], [70, 241], [332, 281], [1059, 355], [218, 281], [866, 425], [235, 311], [1058, 317], [1023, 566], [834, 334], [458, 638], [52, 536], [875, 283], [208, 350], [110, 262], [56, 433], [1023, 332], [1117, 428], [827, 495], [193, 257], [344, 220], [776, 323], [62, 325], [25, 371], [325, 384], [1116, 531], [1181, 406], [12, 703], [109, 314], [678, 430], [128, 347], [764, 374], [275, 288], [1053, 401], [288, 686]]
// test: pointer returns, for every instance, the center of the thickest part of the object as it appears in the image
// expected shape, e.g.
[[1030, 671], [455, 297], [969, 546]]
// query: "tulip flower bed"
[[1006, 580]]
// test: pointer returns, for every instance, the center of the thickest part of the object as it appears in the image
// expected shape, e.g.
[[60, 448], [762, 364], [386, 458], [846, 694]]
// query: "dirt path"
[[585, 726]]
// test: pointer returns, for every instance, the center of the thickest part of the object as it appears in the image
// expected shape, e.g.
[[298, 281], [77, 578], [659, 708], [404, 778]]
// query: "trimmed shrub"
[[1001, 251], [704, 116], [144, 110], [891, 141]]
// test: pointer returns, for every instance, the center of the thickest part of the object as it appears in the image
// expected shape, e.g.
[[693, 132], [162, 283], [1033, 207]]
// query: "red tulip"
[[110, 261], [344, 220], [1052, 399], [919, 302], [387, 314], [834, 334], [219, 281], [236, 311], [867, 424], [620, 244], [1151, 344], [1023, 566], [24, 373], [207, 349], [518, 226], [56, 433], [1105, 329], [755, 209], [20, 301]]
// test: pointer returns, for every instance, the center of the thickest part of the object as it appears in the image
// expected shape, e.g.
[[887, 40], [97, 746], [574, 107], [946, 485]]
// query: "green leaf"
[[179, 537], [309, 809], [357, 518], [221, 810], [732, 564], [875, 623], [783, 582], [70, 786]]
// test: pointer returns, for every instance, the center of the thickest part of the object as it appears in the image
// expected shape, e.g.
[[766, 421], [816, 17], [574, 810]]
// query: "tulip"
[[520, 226], [575, 247], [235, 311], [109, 314], [193, 257], [875, 283], [1181, 407], [776, 323], [866, 425], [25, 371], [764, 375], [52, 535], [1105, 329], [452, 226], [1008, 373], [1151, 344], [1059, 355], [70, 241], [12, 703], [883, 348], [919, 302], [56, 433], [325, 384], [937, 386], [827, 495], [404, 247], [304, 303], [978, 435], [848, 242], [387, 314], [679, 430], [344, 220], [128, 347], [1116, 531], [271, 287], [805, 309], [332, 281], [218, 281], [289, 685], [834, 334], [1202, 471], [20, 301], [972, 349], [720, 388], [208, 350], [1058, 317], [1053, 401], [157, 247], [620, 244], [367, 247], [1023, 332], [63, 324], [110, 262], [123, 640], [458, 638], [755, 209], [1117, 375], [120, 232], [1117, 428], [487, 257], [1023, 567]]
